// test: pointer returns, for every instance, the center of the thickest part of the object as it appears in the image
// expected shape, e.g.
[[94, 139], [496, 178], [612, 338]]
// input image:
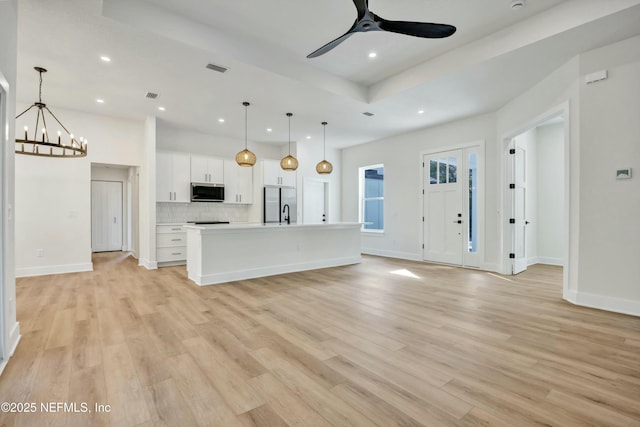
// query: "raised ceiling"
[[163, 46]]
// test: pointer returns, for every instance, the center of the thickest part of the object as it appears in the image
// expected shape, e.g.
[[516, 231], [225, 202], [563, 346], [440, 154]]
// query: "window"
[[372, 198]]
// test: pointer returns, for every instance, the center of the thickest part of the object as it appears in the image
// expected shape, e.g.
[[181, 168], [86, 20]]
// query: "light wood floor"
[[361, 345]]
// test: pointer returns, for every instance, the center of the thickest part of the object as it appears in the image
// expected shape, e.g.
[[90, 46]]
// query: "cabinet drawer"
[[172, 254], [171, 239], [175, 228]]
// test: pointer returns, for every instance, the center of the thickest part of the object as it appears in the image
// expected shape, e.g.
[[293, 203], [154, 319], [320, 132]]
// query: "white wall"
[[550, 194], [9, 327], [609, 208], [401, 157], [53, 196]]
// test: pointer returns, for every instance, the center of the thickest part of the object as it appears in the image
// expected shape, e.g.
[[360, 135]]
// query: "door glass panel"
[[473, 203], [442, 171], [453, 170], [433, 172]]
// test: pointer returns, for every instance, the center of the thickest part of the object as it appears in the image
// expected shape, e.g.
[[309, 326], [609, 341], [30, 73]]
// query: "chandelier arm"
[[46, 131], [54, 116], [35, 132], [18, 116]]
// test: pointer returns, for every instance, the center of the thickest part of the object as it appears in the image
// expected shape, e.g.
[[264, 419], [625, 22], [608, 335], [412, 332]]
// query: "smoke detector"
[[517, 4]]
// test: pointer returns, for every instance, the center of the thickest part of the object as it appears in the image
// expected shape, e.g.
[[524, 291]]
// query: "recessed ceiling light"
[[308, 136], [162, 108], [269, 130], [100, 101], [105, 58], [372, 54], [420, 111], [221, 120]]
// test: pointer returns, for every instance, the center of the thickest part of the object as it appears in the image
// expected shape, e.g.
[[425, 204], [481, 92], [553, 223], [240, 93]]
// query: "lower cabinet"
[[171, 244]]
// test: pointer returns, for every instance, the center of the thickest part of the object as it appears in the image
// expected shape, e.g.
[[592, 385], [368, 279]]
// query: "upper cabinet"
[[207, 169], [272, 174], [238, 183], [173, 177]]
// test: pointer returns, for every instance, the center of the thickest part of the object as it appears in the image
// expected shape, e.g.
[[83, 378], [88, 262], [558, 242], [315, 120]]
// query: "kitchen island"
[[230, 252]]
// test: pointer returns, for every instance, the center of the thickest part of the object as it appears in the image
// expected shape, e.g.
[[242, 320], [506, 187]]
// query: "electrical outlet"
[[39, 253]]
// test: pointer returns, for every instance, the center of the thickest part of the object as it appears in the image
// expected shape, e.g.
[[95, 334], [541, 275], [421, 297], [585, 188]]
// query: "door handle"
[[458, 221]]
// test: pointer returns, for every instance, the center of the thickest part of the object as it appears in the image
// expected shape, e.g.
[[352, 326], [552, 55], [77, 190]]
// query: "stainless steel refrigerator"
[[274, 201]]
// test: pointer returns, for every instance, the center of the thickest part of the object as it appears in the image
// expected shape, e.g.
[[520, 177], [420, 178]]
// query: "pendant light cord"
[[289, 115]]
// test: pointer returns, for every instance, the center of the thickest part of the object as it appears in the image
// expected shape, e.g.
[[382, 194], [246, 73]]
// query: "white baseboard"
[[545, 260], [53, 269], [214, 279], [601, 302], [149, 265], [392, 254], [551, 261], [12, 343]]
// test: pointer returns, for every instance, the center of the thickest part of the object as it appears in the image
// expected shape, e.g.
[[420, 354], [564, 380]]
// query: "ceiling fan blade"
[[417, 29], [327, 47], [362, 6]]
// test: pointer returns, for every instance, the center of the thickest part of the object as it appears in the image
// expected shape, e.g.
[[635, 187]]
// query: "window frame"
[[362, 199]]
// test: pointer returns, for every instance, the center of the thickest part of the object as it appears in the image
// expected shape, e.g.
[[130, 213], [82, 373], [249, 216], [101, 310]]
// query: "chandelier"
[[41, 143]]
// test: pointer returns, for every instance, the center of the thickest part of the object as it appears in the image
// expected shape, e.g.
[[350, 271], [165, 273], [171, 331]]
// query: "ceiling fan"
[[369, 21]]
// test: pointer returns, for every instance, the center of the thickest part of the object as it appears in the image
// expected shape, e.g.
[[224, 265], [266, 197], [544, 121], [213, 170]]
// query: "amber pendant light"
[[324, 167], [245, 157], [289, 163]]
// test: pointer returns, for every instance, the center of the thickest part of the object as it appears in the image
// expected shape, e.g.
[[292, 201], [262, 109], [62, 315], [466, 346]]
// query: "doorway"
[[106, 216], [453, 206], [114, 208], [536, 195], [314, 201]]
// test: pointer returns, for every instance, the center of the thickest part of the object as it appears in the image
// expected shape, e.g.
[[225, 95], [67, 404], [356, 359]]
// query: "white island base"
[[228, 252]]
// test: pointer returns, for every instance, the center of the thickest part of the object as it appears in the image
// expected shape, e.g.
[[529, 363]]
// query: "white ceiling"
[[163, 46]]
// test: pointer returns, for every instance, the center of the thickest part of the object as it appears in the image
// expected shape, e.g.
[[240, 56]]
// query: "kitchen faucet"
[[286, 216]]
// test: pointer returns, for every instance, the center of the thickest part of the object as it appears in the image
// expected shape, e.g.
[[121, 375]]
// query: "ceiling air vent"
[[217, 68], [368, 114], [151, 95]]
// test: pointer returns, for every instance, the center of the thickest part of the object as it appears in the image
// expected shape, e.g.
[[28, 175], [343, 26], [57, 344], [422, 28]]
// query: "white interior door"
[[443, 207], [314, 198], [519, 220], [106, 216]]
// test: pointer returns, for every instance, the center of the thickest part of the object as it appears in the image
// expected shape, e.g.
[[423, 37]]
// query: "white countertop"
[[270, 226]]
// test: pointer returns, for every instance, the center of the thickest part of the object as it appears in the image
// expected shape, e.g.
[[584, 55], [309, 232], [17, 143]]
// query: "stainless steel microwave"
[[207, 192]]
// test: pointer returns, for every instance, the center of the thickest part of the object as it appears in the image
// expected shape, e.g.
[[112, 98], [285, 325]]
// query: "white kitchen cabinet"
[[173, 177], [171, 244], [238, 183], [272, 174], [207, 169]]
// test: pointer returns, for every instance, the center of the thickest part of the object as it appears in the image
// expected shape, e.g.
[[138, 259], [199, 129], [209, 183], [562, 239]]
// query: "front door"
[[453, 206], [443, 219]]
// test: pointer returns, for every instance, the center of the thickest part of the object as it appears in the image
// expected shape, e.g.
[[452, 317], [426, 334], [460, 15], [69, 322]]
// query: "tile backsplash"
[[183, 212]]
